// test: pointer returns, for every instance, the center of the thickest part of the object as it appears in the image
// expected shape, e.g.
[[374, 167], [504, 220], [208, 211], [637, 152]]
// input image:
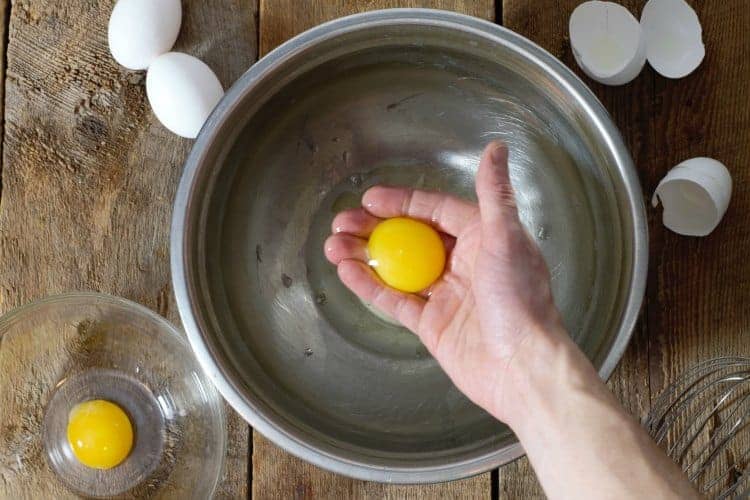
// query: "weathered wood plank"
[[89, 174], [283, 19], [4, 13], [277, 474], [703, 284], [546, 23], [697, 287]]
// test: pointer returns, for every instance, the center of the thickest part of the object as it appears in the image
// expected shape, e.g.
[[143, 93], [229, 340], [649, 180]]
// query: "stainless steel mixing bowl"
[[400, 97]]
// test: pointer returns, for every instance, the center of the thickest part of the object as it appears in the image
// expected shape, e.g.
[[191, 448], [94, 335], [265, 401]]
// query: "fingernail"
[[498, 153]]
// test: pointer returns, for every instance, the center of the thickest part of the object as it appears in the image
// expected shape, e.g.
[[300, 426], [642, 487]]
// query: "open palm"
[[493, 294]]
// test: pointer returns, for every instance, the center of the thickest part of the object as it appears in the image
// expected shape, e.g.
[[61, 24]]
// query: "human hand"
[[492, 300], [492, 325]]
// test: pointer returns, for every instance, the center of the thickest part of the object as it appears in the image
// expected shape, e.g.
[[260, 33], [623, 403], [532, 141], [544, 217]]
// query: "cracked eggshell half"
[[695, 195], [674, 37], [607, 42]]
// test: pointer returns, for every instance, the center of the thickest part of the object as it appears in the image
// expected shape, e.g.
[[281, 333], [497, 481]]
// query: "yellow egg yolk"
[[99, 433], [408, 255]]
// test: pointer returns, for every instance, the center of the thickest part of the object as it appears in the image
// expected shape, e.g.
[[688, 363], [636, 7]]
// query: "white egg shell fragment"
[[182, 91], [674, 38], [607, 43], [695, 195], [142, 30]]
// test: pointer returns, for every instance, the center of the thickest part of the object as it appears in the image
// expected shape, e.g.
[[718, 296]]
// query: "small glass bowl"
[[63, 350]]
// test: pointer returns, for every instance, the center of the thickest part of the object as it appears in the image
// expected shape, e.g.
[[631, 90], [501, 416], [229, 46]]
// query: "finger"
[[446, 212], [359, 222], [356, 221], [448, 241], [344, 246], [445, 300], [497, 202], [362, 280]]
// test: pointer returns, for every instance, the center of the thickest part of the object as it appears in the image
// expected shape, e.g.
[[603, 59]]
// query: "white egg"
[[606, 41], [182, 91], [674, 42], [142, 30], [695, 195]]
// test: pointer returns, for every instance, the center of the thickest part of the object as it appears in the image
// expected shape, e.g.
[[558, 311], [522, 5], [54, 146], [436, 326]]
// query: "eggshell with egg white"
[[607, 42], [695, 195], [674, 37]]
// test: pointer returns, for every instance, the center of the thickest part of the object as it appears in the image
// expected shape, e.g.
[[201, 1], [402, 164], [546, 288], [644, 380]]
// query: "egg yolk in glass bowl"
[[99, 433], [407, 254]]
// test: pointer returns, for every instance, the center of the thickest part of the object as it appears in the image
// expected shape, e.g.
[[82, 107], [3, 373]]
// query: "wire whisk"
[[703, 423]]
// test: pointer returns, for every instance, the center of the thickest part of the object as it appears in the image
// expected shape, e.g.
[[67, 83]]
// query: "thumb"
[[497, 203]]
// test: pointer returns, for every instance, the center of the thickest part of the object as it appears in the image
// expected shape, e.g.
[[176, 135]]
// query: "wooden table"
[[88, 178]]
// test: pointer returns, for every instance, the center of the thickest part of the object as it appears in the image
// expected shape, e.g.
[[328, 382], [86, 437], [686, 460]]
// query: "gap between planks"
[[5, 6]]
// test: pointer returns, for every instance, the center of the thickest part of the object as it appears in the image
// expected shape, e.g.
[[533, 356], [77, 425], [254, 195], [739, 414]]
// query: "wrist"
[[547, 370]]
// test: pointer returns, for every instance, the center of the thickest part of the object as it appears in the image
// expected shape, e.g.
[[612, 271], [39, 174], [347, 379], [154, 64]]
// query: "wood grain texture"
[[88, 174], [698, 288], [280, 20], [88, 178], [276, 474], [702, 285], [698, 303], [546, 23], [4, 15]]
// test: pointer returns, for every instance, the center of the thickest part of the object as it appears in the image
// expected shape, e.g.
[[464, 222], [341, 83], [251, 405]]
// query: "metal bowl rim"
[[262, 419]]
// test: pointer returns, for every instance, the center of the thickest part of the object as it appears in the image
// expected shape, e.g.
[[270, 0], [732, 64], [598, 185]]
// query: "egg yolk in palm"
[[408, 255], [99, 433]]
